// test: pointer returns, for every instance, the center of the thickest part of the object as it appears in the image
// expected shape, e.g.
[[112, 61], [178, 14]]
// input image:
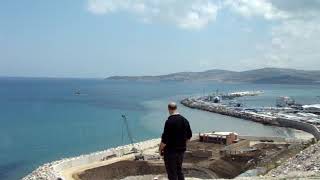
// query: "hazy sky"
[[98, 38]]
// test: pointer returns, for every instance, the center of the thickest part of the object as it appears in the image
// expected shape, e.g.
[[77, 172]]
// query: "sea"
[[45, 119]]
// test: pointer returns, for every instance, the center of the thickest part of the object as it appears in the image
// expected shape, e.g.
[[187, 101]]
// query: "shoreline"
[[56, 169]]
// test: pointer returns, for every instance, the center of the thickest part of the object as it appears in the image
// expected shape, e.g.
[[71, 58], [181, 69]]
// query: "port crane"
[[138, 156]]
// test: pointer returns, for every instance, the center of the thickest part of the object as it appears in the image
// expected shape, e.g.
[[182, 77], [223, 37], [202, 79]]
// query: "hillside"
[[265, 75]]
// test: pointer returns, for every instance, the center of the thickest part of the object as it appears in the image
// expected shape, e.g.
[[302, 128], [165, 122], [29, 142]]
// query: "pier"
[[272, 116], [225, 110]]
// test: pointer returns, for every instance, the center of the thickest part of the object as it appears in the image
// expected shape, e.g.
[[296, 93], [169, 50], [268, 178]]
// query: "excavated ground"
[[202, 160]]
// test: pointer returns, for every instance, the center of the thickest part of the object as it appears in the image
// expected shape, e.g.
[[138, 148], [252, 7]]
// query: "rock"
[[306, 162]]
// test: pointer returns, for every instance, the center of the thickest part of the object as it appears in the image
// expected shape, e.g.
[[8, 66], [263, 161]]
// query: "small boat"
[[77, 92]]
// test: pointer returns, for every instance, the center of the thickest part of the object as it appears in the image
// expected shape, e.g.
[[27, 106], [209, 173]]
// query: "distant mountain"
[[265, 75]]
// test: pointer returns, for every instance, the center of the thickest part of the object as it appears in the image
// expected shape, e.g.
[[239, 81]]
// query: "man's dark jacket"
[[175, 134]]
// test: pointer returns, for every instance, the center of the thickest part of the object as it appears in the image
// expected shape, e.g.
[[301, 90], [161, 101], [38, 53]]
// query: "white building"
[[284, 101]]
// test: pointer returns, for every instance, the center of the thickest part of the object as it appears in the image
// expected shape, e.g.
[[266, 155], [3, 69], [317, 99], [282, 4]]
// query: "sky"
[[101, 38]]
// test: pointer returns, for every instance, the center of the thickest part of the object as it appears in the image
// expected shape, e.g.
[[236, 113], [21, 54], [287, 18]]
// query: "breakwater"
[[224, 110], [309, 128], [252, 116], [54, 170]]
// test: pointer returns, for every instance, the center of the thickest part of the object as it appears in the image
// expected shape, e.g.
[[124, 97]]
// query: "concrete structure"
[[315, 108], [219, 137], [272, 117], [236, 148], [225, 110], [284, 101], [307, 127], [63, 169]]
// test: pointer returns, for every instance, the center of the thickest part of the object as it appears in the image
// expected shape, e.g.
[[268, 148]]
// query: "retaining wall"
[[53, 170], [309, 128], [237, 146], [262, 138]]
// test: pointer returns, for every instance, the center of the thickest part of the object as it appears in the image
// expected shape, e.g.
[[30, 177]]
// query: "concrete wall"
[[239, 145], [121, 169], [300, 126], [53, 170], [261, 138], [100, 156]]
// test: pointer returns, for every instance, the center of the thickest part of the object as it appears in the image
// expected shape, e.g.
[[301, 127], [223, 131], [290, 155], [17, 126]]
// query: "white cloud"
[[198, 16], [199, 13], [294, 35], [293, 44], [253, 8], [187, 14], [296, 43]]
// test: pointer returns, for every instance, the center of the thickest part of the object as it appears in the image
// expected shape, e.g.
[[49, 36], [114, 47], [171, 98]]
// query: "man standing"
[[175, 135]]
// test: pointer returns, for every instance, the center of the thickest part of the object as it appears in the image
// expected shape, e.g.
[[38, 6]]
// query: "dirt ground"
[[202, 160]]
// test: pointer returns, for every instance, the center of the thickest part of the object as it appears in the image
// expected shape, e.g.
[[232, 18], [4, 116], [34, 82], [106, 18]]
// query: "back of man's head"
[[172, 106]]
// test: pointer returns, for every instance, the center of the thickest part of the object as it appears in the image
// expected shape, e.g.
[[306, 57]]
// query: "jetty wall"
[[223, 110], [256, 117], [309, 128]]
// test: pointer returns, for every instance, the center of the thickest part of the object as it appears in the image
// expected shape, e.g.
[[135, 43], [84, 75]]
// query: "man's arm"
[[188, 129], [164, 138], [161, 148]]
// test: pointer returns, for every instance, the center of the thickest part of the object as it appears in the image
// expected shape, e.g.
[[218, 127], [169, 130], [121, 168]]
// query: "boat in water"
[[77, 92]]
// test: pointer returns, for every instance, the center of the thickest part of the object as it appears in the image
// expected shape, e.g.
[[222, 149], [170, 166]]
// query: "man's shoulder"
[[175, 117], [182, 117]]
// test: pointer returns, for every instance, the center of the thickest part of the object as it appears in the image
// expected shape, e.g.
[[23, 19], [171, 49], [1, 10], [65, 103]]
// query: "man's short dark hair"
[[172, 106]]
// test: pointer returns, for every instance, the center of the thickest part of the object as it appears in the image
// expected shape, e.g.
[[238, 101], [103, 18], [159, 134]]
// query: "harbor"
[[209, 155], [286, 112], [88, 89]]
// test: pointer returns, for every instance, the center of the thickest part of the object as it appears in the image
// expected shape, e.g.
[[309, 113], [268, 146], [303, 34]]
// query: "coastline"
[[65, 168], [87, 126], [56, 169]]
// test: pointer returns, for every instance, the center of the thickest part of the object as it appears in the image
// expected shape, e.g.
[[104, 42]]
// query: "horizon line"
[[69, 77]]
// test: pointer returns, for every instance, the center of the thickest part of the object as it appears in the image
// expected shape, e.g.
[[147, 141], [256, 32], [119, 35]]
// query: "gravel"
[[305, 163]]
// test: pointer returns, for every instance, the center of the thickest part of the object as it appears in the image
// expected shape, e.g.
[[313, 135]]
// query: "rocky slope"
[[306, 163]]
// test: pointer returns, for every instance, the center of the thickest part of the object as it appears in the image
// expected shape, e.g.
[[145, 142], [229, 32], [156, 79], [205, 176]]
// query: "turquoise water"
[[43, 120]]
